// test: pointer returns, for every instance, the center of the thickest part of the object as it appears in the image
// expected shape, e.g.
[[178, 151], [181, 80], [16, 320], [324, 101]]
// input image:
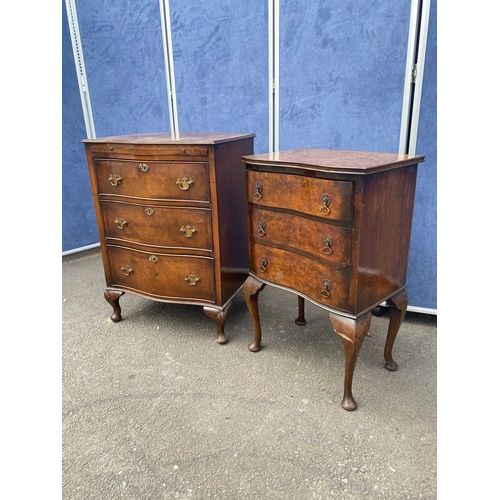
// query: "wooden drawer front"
[[158, 226], [332, 200], [140, 150], [153, 179], [321, 239], [163, 275], [302, 274]]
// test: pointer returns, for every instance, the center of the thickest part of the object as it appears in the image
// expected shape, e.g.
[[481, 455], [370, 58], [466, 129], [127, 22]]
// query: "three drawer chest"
[[334, 228], [171, 216]]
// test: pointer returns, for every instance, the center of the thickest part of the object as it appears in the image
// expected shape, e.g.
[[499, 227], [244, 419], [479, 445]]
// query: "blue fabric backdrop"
[[123, 52], [422, 266], [78, 216], [342, 68], [221, 70]]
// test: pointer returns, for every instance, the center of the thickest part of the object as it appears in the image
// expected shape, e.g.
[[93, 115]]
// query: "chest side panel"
[[385, 231], [231, 215]]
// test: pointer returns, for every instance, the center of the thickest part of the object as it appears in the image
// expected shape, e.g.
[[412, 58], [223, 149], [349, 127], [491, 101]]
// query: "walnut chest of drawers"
[[171, 216], [334, 228]]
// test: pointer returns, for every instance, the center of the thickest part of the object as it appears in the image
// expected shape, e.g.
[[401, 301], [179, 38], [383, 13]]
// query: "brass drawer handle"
[[184, 183], [258, 190], [144, 167], [153, 258], [192, 279], [263, 264], [327, 240], [188, 231], [262, 227], [121, 223], [325, 200], [127, 270], [149, 211], [326, 287], [114, 179]]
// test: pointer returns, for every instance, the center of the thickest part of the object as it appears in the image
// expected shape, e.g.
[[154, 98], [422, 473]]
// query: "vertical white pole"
[[422, 47], [417, 43], [407, 94], [169, 65], [274, 110], [80, 69]]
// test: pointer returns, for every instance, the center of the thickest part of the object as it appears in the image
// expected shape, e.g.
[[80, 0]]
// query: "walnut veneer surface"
[[333, 227], [171, 216]]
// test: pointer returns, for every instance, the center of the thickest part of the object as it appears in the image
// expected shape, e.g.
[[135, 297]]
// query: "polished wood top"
[[171, 138], [329, 160]]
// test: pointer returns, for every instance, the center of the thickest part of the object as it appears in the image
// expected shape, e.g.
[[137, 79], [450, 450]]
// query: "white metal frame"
[[274, 72], [422, 47], [80, 69], [169, 65], [81, 249], [417, 44]]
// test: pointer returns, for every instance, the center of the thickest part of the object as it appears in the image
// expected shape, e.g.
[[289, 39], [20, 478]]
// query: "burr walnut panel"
[[319, 239], [320, 281], [330, 200], [154, 180], [160, 226], [162, 275]]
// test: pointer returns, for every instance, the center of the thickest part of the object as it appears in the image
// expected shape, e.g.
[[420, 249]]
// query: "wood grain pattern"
[[160, 229], [328, 160], [318, 239], [172, 217], [158, 182], [302, 194], [368, 222]]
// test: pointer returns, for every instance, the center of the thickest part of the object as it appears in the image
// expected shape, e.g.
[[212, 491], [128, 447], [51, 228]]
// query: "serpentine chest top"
[[171, 216], [334, 228]]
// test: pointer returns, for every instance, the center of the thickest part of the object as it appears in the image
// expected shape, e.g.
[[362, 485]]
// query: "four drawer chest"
[[334, 228], [171, 216]]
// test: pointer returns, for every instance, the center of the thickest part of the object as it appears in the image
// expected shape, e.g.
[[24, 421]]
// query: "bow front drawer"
[[154, 179], [322, 282], [324, 198], [317, 238], [159, 226], [161, 275]]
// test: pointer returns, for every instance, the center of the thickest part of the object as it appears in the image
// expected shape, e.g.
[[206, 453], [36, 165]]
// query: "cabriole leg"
[[301, 320], [352, 332], [113, 297], [220, 318], [251, 290], [398, 304]]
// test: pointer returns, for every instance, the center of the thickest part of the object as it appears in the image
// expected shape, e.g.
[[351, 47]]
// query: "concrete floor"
[[154, 408]]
